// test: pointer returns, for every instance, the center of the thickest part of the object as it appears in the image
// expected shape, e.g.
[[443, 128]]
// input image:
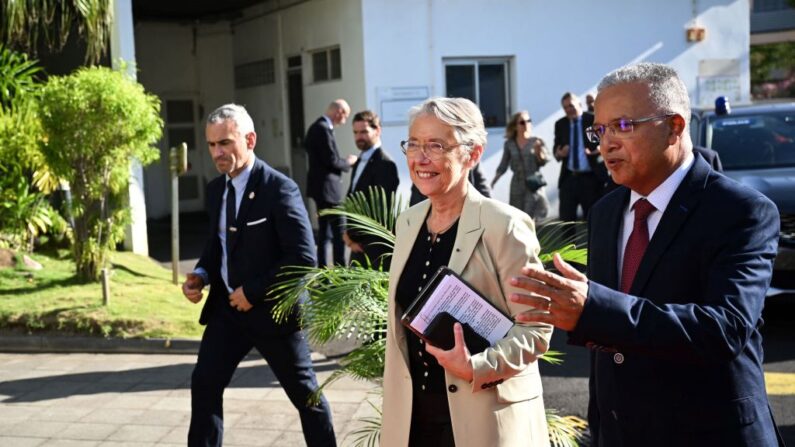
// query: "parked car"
[[756, 145]]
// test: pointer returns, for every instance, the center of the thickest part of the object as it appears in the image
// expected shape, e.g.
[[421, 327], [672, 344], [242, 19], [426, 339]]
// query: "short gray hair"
[[232, 112], [666, 90], [459, 113]]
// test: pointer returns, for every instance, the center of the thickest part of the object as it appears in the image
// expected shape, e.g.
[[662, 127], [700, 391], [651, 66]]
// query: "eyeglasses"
[[433, 150], [620, 128], [524, 122]]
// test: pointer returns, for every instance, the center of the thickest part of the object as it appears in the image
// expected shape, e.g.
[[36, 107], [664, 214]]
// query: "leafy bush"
[[95, 122], [24, 178]]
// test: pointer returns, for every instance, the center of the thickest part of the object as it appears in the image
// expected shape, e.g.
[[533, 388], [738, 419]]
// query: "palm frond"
[[553, 357], [335, 301], [369, 434], [570, 239], [373, 213], [363, 363], [566, 431], [23, 22]]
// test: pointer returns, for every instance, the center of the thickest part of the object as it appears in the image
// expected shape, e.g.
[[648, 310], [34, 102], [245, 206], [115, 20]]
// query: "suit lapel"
[[248, 198], [353, 170], [215, 197], [469, 231], [367, 172], [682, 204]]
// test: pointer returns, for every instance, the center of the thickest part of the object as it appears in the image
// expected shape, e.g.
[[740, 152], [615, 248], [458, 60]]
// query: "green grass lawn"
[[144, 303]]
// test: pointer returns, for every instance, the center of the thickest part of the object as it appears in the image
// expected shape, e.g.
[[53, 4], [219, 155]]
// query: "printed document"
[[455, 297]]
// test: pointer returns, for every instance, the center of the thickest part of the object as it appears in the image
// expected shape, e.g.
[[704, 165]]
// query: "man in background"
[[582, 172], [324, 179], [374, 169]]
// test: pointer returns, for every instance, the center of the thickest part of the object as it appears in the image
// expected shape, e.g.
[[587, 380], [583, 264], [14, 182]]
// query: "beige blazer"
[[503, 405]]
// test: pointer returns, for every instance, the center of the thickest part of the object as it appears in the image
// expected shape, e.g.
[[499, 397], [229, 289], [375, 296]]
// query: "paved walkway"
[[144, 400]]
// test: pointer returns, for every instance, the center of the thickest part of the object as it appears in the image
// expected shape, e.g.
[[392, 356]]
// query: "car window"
[[754, 141]]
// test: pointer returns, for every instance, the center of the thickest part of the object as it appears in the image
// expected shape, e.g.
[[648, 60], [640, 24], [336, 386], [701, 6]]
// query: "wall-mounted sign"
[[394, 103]]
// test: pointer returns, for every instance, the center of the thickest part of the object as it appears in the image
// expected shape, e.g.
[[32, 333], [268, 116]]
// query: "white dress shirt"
[[660, 198], [239, 183]]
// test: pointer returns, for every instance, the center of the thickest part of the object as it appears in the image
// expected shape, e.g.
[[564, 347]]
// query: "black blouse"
[[426, 257]]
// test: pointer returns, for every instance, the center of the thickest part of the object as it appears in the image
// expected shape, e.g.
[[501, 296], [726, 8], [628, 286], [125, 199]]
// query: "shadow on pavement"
[[252, 373]]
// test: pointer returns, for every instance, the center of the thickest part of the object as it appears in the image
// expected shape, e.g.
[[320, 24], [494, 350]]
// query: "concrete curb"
[[68, 343], [55, 343]]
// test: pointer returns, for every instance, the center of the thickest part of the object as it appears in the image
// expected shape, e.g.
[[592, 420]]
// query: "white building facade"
[[286, 60]]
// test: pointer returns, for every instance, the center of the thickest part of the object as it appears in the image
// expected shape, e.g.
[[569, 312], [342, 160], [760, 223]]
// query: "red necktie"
[[637, 243]]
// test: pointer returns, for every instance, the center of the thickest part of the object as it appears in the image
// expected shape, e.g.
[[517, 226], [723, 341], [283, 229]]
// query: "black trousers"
[[578, 190], [224, 344], [330, 229]]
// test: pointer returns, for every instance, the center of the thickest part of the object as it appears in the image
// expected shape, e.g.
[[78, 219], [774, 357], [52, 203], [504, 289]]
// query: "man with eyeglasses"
[[582, 175], [679, 261]]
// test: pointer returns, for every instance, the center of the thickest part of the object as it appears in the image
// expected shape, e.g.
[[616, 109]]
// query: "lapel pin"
[[232, 229], [251, 195]]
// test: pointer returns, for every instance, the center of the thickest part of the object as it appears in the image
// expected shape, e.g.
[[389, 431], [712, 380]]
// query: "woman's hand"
[[456, 360]]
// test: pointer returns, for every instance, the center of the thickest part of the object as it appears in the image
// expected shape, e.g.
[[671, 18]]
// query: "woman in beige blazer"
[[442, 398]]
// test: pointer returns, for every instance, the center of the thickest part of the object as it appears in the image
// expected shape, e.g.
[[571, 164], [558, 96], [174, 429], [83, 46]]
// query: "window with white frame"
[[485, 81], [326, 64]]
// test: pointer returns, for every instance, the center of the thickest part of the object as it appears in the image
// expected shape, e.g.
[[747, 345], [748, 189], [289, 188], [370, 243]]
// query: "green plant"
[[352, 302], [95, 122], [24, 178], [22, 22]]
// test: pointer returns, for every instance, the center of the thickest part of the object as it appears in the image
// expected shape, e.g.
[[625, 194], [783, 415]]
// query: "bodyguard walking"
[[258, 224]]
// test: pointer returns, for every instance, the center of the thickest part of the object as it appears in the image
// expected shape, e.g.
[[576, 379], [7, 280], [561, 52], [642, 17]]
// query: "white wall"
[[180, 61], [556, 46]]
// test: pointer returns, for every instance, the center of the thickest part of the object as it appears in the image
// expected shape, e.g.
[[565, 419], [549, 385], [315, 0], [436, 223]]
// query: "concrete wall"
[[553, 46], [179, 61]]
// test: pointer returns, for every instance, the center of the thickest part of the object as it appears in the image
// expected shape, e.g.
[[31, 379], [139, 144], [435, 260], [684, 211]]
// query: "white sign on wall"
[[394, 103], [711, 87], [718, 77]]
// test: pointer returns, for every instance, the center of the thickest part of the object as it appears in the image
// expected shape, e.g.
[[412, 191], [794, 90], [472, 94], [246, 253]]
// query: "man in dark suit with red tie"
[[679, 262], [582, 173], [258, 225]]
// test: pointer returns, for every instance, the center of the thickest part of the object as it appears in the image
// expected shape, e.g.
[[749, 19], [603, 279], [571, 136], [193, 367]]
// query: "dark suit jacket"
[[712, 158], [380, 171], [678, 360], [562, 138], [273, 232], [324, 179]]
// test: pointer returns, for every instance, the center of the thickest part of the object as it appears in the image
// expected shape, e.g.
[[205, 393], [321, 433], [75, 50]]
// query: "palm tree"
[[24, 22], [343, 302]]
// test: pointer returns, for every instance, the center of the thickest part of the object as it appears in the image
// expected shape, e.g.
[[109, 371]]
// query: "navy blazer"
[[324, 179], [273, 232], [678, 360]]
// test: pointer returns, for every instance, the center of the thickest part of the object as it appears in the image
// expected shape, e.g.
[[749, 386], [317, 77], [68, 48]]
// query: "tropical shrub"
[[24, 178], [95, 122]]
